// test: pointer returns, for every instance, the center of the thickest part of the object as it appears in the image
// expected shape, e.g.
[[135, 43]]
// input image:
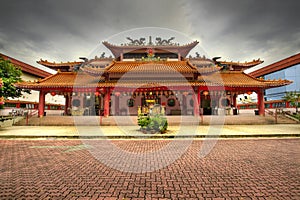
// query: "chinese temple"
[[145, 73]]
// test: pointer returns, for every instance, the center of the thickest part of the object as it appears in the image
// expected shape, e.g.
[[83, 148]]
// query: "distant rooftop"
[[26, 67]]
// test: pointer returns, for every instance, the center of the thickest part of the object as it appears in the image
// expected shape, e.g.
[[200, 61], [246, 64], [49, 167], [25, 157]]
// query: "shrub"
[[153, 124]]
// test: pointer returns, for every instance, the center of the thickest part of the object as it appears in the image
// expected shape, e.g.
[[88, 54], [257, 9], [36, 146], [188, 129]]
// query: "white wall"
[[34, 96]]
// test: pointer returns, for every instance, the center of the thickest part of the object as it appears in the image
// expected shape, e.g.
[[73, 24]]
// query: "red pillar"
[[106, 102], [41, 103], [117, 107], [184, 105], [196, 102], [67, 103], [261, 102], [199, 101], [234, 101]]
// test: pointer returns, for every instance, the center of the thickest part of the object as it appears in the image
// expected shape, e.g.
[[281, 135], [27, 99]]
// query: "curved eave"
[[57, 65], [182, 49], [147, 85], [278, 83], [69, 80], [243, 64]]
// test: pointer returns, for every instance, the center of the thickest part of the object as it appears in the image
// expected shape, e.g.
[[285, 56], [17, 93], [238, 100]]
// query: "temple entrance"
[[147, 104], [206, 105], [133, 103], [145, 101], [98, 107]]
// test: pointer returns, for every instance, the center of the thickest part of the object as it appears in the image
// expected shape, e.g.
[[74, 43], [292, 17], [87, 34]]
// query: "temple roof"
[[58, 65], [63, 66], [98, 62], [239, 79], [84, 80], [150, 67], [201, 62], [174, 48], [232, 66], [243, 64]]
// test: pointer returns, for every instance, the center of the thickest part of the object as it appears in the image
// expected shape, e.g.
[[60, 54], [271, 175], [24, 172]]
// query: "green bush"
[[297, 115], [153, 124]]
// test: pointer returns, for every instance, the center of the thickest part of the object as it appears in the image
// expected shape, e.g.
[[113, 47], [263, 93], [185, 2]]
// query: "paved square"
[[234, 169]]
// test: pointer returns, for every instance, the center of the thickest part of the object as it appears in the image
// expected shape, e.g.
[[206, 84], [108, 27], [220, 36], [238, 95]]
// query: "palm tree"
[[293, 98]]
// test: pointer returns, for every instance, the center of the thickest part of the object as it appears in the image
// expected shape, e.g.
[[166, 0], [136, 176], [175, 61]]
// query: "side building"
[[287, 68], [29, 101]]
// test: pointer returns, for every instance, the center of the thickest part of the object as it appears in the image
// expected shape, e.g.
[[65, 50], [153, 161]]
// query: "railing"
[[280, 112], [30, 114], [290, 116], [274, 114]]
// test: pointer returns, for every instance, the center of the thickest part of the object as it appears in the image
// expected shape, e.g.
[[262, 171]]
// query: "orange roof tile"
[[151, 67], [63, 80], [239, 79], [93, 71], [201, 62], [83, 80]]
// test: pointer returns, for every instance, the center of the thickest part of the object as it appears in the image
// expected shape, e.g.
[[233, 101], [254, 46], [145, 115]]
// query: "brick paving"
[[235, 169]]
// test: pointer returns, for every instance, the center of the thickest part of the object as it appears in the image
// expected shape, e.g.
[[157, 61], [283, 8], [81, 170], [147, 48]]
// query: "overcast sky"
[[64, 30]]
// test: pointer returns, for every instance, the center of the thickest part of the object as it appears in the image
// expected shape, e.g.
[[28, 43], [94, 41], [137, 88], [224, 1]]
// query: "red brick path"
[[235, 169]]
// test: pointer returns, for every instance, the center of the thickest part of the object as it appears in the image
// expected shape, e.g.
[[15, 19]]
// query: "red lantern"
[[97, 93], [53, 93]]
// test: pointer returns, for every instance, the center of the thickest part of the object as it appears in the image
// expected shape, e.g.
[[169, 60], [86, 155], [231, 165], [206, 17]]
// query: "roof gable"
[[26, 67]]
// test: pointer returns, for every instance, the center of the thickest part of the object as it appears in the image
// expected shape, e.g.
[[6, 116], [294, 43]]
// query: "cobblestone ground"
[[234, 169]]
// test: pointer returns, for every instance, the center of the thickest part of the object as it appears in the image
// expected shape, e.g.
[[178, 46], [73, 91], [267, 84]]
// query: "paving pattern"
[[67, 169]]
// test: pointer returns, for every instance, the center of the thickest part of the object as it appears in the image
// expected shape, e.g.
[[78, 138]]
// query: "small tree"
[[10, 75], [293, 98]]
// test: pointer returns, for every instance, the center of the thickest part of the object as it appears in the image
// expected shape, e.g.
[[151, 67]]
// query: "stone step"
[[132, 120]]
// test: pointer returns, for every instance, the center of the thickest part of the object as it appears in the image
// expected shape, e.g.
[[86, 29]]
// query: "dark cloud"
[[244, 29], [67, 29]]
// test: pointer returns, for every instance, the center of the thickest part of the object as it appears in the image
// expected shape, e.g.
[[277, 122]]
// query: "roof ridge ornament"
[[136, 42], [142, 41], [159, 41]]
